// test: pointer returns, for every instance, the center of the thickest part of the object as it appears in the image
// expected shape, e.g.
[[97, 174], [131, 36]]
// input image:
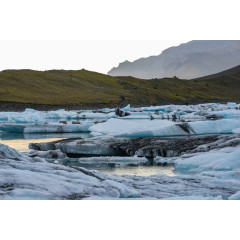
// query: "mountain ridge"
[[188, 60]]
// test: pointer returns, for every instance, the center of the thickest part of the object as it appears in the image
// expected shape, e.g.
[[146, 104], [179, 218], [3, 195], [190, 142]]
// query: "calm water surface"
[[20, 142], [140, 170]]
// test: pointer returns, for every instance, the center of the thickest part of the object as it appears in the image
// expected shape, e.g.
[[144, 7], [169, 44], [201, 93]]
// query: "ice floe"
[[163, 128], [23, 177], [142, 147], [125, 127], [207, 165], [225, 159], [185, 111], [40, 117], [46, 128]]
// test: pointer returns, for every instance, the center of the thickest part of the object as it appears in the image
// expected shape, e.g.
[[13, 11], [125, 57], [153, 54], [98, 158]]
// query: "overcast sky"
[[99, 56]]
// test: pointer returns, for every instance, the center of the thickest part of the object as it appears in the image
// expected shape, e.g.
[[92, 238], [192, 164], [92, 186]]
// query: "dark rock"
[[121, 113], [122, 98]]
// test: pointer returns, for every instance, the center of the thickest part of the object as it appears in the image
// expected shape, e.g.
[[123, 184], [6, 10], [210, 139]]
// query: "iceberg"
[[230, 110], [52, 154], [237, 130], [127, 108], [45, 128], [142, 147], [162, 128], [113, 161], [226, 159], [232, 104], [40, 117], [125, 127]]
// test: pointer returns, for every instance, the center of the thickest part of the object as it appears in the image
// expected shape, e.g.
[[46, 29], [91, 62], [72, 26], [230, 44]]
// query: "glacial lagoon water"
[[21, 141], [140, 120]]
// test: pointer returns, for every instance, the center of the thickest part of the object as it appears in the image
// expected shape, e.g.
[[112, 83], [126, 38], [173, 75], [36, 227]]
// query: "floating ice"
[[237, 130], [162, 128], [226, 159], [52, 154], [235, 196], [142, 147], [231, 104], [127, 108], [23, 177], [197, 112], [40, 117], [79, 147], [127, 128], [46, 128]]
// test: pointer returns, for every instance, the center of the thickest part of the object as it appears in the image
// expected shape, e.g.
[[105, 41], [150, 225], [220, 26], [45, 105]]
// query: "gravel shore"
[[19, 107]]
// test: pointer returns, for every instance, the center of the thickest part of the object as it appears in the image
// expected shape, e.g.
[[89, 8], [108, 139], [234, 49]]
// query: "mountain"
[[81, 88], [229, 74], [189, 60]]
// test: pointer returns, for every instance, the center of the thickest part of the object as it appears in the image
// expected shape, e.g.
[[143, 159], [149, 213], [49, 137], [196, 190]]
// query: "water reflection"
[[21, 141], [22, 144], [120, 166], [12, 136], [140, 170]]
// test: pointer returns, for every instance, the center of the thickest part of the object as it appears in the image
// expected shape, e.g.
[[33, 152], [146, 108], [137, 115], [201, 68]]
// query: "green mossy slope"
[[62, 87]]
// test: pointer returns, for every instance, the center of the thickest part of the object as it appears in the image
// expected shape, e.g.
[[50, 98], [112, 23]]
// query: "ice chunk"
[[58, 128], [126, 128], [235, 196], [7, 152], [46, 128], [224, 160], [79, 147], [231, 104], [9, 127], [127, 108], [107, 162], [30, 110], [230, 110], [48, 154], [142, 147], [162, 128], [33, 116], [237, 130], [215, 127], [124, 191]]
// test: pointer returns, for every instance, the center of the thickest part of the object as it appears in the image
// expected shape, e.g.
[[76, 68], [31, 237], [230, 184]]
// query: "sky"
[[93, 55]]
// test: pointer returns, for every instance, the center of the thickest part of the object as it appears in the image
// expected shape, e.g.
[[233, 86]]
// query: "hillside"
[[230, 74], [85, 88], [189, 60], [58, 87]]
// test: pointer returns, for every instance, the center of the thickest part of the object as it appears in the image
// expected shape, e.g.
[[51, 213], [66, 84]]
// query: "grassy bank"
[[83, 88]]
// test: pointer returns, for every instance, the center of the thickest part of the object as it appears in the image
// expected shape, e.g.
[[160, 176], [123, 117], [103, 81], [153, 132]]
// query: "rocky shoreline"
[[19, 107]]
